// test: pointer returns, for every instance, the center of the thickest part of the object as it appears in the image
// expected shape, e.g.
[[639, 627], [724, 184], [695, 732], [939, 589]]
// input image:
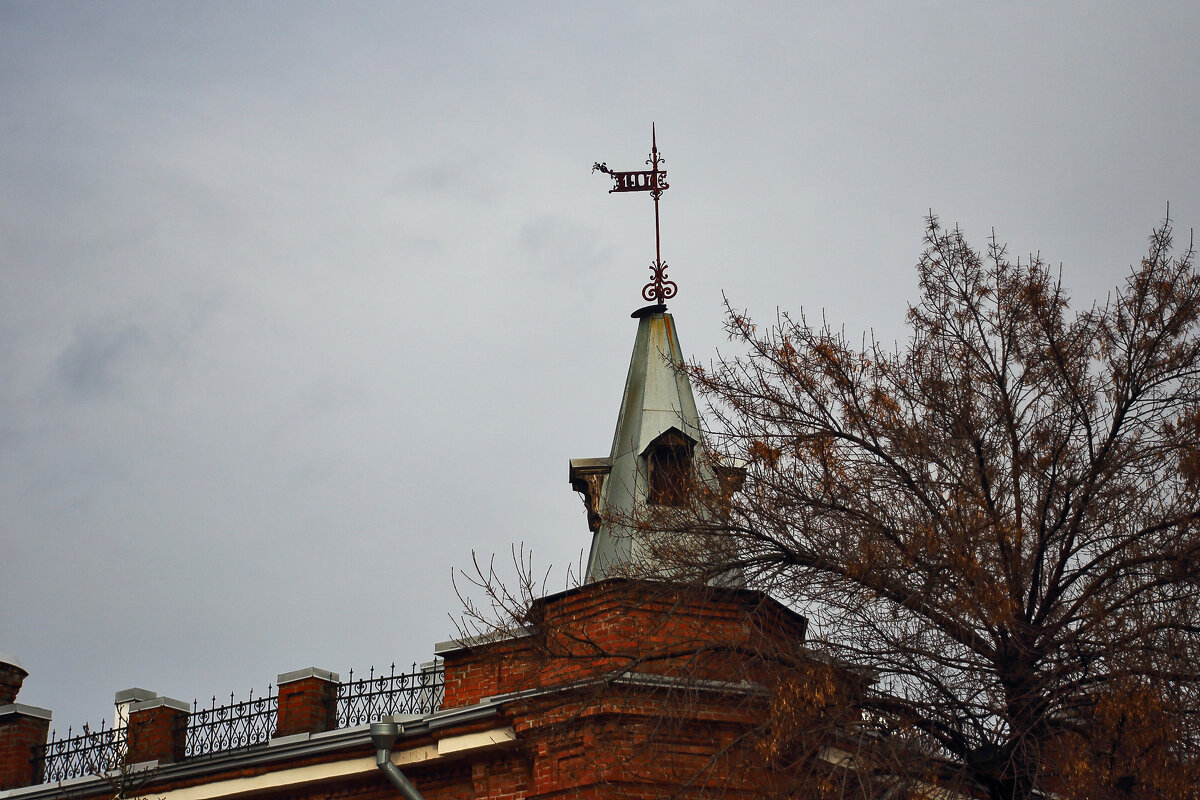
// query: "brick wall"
[[704, 633], [693, 654], [22, 732], [683, 714], [11, 678], [157, 730], [307, 701]]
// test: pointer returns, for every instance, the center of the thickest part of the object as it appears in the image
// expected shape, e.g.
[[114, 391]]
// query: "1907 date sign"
[[654, 181], [647, 181]]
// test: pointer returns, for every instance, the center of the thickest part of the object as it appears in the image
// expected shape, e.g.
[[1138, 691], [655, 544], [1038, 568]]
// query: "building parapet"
[[151, 727]]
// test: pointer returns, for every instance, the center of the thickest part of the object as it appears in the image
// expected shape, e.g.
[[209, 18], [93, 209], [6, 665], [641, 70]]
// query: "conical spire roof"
[[657, 439]]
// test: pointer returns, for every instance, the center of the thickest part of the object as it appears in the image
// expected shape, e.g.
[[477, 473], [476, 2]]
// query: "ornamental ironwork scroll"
[[93, 752], [654, 181], [232, 726], [381, 695], [240, 724]]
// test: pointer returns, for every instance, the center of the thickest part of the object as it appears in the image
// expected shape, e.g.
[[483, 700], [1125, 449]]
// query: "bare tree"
[[999, 520]]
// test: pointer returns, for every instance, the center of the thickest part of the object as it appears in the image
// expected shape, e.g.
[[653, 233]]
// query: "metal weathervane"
[[654, 181]]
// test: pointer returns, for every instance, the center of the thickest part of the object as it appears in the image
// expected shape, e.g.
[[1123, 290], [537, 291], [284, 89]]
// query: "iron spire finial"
[[654, 181]]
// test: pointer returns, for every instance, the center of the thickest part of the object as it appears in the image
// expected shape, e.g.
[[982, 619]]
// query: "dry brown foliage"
[[997, 522], [998, 519]]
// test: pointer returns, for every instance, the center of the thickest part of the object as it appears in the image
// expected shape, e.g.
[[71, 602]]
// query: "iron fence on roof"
[[419, 692], [240, 724], [77, 755], [232, 726]]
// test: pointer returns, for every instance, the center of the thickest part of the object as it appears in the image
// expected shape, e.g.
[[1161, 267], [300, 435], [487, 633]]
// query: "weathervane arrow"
[[654, 181]]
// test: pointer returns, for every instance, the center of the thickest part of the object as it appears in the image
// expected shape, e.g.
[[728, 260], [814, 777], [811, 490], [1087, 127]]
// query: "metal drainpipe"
[[384, 734]]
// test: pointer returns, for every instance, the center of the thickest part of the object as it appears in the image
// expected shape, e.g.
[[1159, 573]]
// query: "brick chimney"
[[307, 702], [22, 729], [157, 730], [12, 675]]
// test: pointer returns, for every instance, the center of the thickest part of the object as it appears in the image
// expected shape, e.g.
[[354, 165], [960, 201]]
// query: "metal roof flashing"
[[307, 672], [441, 649], [24, 710]]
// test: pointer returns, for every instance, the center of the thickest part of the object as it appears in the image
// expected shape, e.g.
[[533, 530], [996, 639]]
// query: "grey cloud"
[[106, 353], [98, 357], [433, 178], [293, 274], [554, 246], [469, 177]]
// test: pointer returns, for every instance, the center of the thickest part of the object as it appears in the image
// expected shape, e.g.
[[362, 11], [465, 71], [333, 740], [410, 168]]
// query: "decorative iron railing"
[[241, 724], [88, 753], [233, 726], [418, 692]]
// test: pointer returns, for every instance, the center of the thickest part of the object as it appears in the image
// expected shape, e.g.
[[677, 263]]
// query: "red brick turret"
[[632, 685]]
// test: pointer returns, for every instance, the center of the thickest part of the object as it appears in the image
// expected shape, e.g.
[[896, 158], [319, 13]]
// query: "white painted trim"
[[338, 769], [270, 780], [472, 741]]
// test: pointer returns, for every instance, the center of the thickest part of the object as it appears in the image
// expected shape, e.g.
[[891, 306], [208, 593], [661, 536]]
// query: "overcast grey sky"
[[301, 303]]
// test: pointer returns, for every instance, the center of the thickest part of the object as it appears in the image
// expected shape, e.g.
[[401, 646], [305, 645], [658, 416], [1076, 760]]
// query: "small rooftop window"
[[669, 469]]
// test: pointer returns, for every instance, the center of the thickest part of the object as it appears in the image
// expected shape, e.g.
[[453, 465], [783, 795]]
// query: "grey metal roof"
[[658, 397]]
